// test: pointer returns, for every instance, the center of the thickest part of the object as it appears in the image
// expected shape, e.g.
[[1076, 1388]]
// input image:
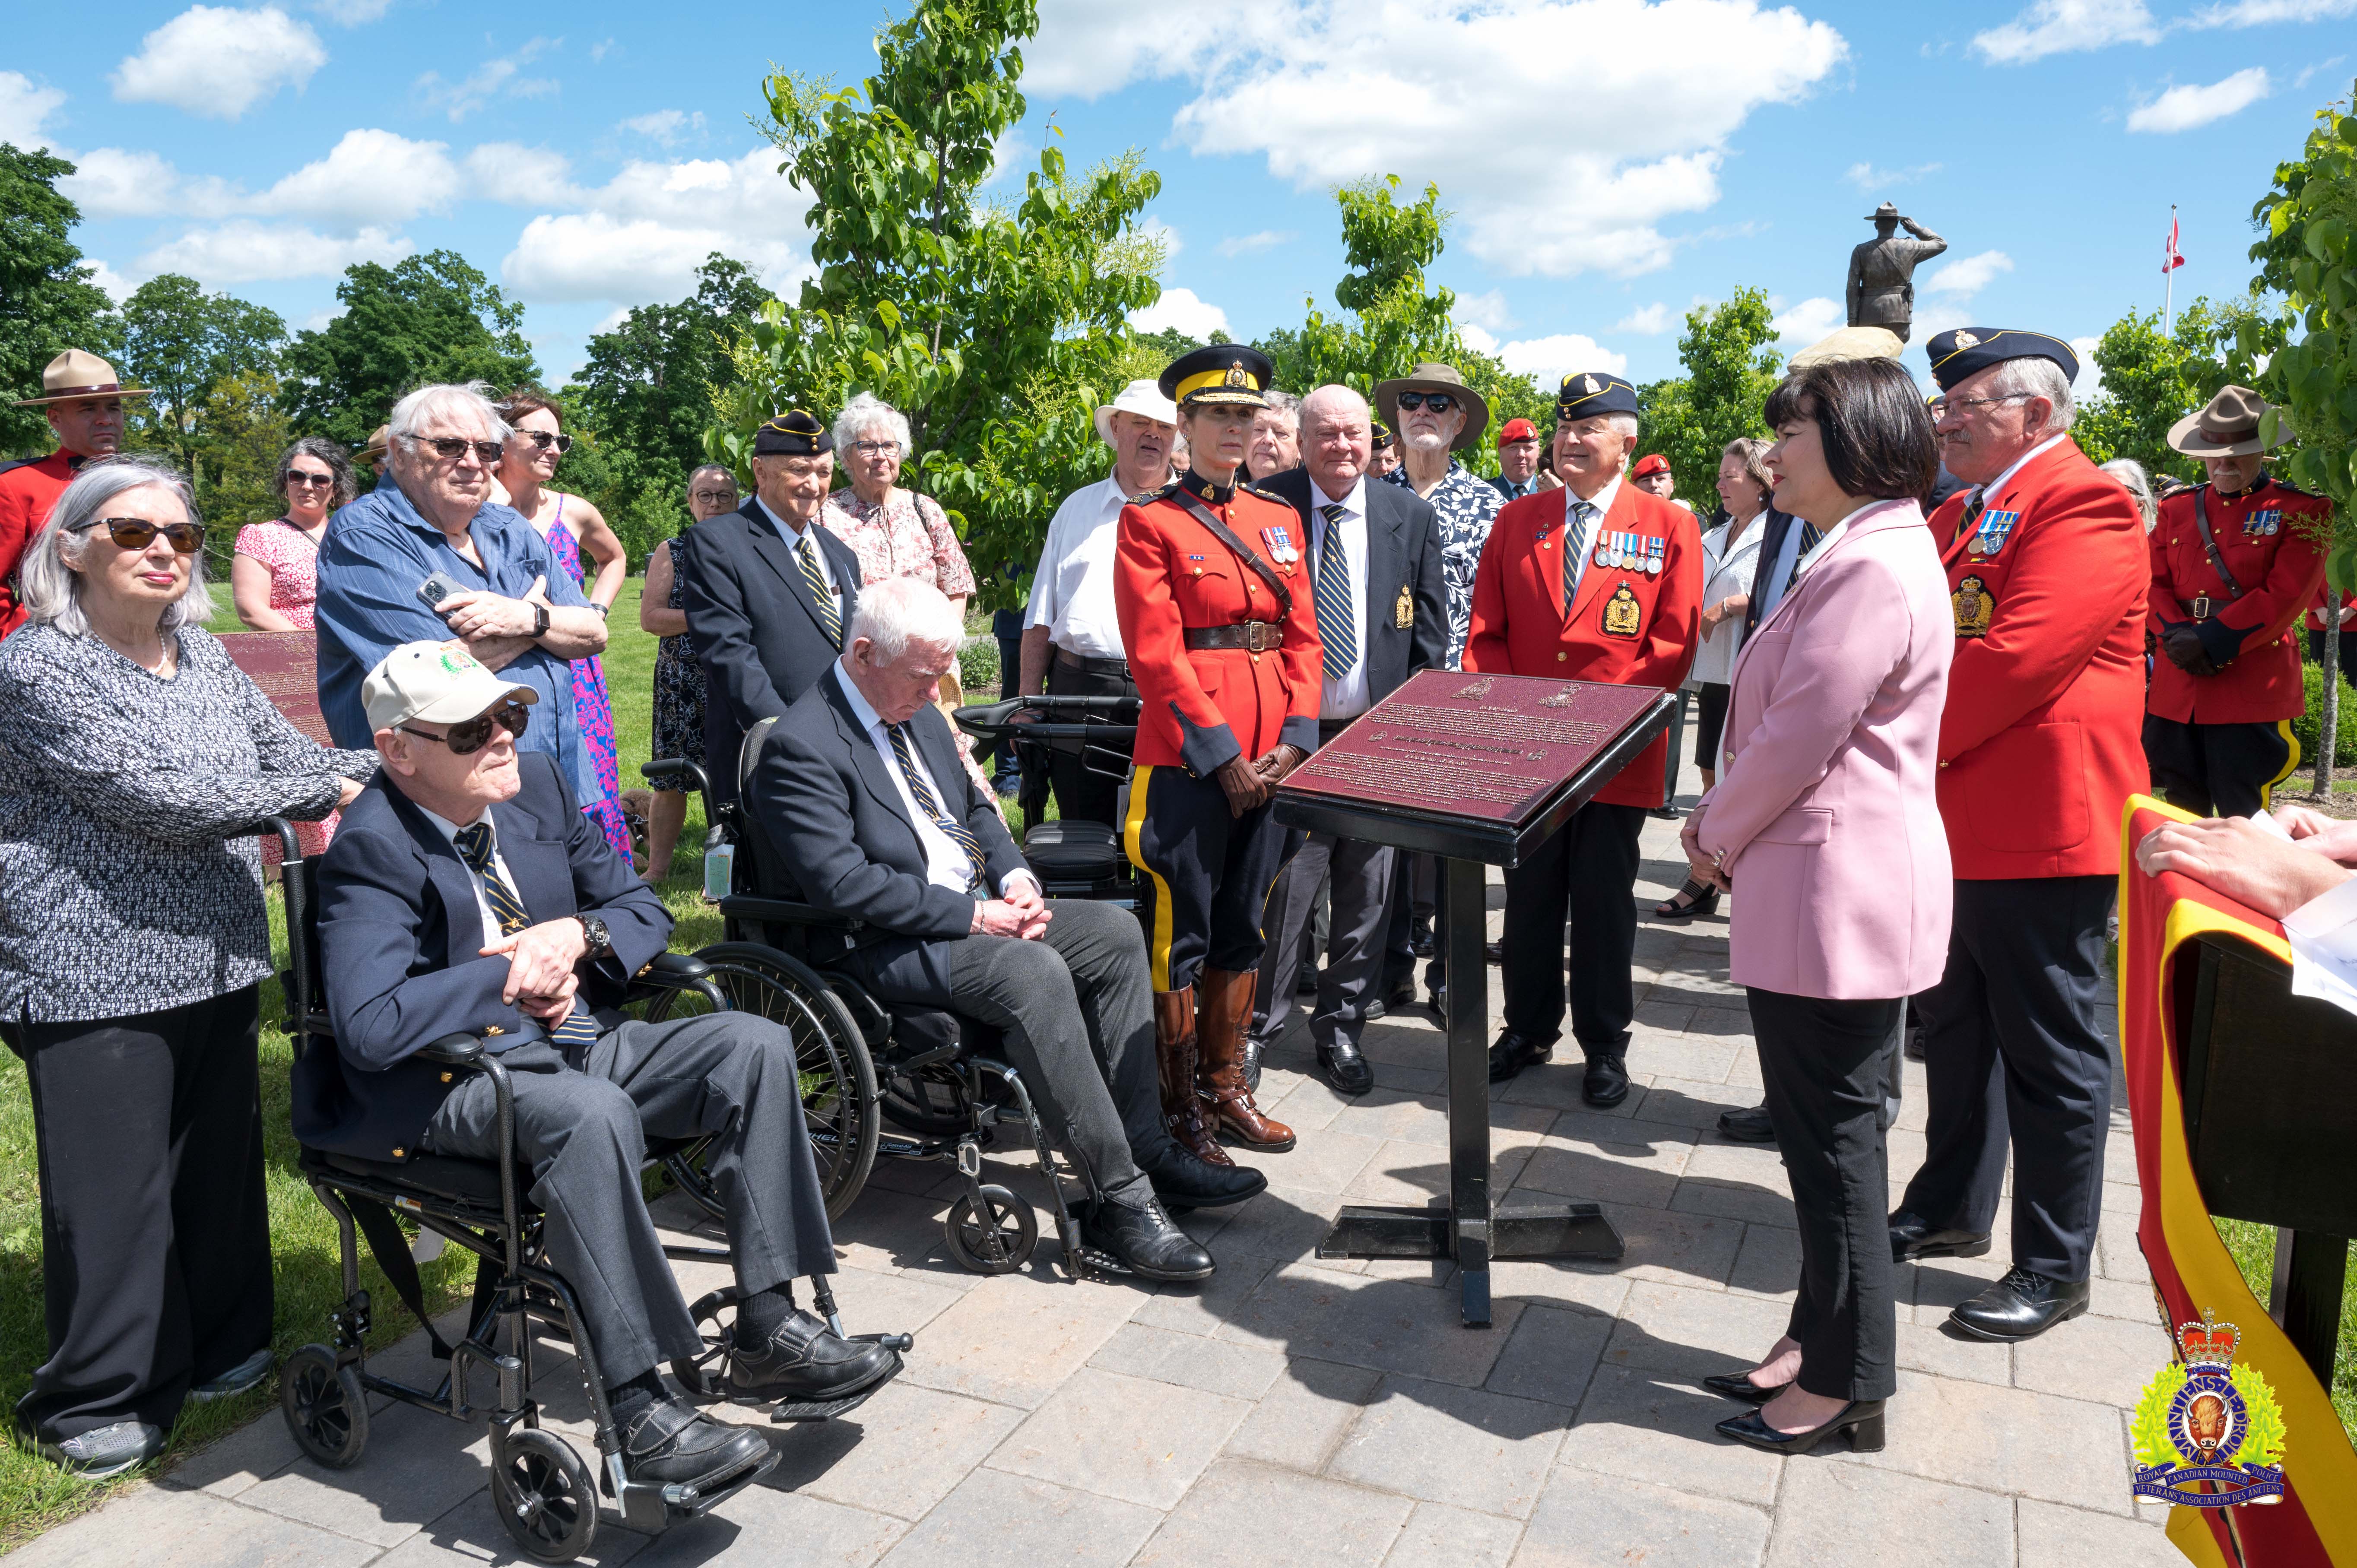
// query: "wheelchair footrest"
[[828, 1410], [650, 1509]]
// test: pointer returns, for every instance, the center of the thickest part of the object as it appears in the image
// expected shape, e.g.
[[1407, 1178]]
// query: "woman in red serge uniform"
[[1217, 614], [1597, 581]]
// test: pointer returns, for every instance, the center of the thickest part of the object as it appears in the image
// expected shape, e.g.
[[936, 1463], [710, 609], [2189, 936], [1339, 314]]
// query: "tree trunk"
[[2327, 722]]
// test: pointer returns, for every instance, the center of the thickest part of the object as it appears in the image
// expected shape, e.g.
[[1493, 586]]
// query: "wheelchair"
[[544, 1493]]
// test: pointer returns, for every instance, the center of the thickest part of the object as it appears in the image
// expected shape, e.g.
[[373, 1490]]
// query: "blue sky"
[[1610, 161]]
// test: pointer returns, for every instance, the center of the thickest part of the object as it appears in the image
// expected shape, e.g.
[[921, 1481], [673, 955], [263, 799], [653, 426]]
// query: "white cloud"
[[2090, 383], [218, 61], [1487, 309], [1870, 179], [24, 107], [641, 235], [599, 51], [118, 287], [1810, 320], [1339, 92], [485, 83], [1253, 244], [519, 176], [668, 126], [1155, 228], [2066, 26], [1646, 320], [1960, 279], [351, 13], [248, 252], [1011, 153], [2260, 13], [113, 182], [1549, 359], [2185, 108], [367, 177], [1178, 308], [1477, 337]]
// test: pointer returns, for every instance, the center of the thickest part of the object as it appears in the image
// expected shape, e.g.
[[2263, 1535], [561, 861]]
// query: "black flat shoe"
[[1913, 1237], [1420, 939], [1180, 1178], [673, 1444], [1494, 951], [1605, 1083], [1145, 1242], [805, 1361], [1862, 1419], [2022, 1306], [1697, 900], [1343, 1066], [1746, 1126], [1514, 1051], [1739, 1386]]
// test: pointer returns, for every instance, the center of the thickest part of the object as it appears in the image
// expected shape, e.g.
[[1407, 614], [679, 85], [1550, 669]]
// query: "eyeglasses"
[[1438, 402], [544, 439], [471, 737], [716, 498], [297, 476], [1940, 405], [449, 448], [138, 532], [876, 448]]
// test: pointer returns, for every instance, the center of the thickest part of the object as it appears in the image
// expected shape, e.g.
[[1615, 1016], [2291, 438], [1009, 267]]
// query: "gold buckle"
[[2201, 607], [1256, 636]]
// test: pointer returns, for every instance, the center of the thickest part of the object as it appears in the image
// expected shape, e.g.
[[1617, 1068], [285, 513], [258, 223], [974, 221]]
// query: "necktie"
[[1972, 514], [806, 551], [1337, 631], [474, 845], [1810, 534], [1574, 546], [904, 750]]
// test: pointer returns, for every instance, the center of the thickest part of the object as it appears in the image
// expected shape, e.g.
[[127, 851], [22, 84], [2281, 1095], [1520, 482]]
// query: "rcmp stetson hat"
[[792, 434], [1888, 210], [2225, 426], [1219, 372], [1587, 392], [1968, 351], [74, 375]]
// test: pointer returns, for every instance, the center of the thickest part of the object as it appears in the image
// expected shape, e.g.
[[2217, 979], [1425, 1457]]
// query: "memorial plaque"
[[285, 665]]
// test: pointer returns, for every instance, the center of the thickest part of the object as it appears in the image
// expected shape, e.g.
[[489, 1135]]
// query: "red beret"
[[1650, 463], [1518, 430]]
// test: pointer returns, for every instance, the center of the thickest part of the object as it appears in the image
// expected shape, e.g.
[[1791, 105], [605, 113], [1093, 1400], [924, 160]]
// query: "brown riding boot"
[[1227, 1016], [1174, 1054]]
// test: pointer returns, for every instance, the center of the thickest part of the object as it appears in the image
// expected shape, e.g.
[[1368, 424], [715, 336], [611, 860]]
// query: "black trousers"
[[1081, 793], [2348, 651], [1361, 874], [1010, 683], [1590, 869], [2218, 770], [2011, 1041], [1212, 873], [155, 1266], [1710, 726], [1827, 1064], [581, 1123]]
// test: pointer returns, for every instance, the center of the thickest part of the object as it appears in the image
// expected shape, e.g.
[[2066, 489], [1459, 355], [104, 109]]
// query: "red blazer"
[[28, 490], [1521, 627], [2041, 740], [1201, 706], [2273, 539]]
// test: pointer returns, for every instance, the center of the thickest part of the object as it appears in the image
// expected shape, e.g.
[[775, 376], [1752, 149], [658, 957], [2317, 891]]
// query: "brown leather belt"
[[1253, 636], [1088, 665]]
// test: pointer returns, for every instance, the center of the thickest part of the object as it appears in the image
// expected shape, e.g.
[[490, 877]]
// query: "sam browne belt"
[[1253, 636]]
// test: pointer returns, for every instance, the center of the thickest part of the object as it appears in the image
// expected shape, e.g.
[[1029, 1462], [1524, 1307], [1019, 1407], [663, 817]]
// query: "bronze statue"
[[1881, 290]]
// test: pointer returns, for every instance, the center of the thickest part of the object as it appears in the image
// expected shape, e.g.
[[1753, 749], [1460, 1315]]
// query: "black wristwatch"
[[599, 939], [539, 620]]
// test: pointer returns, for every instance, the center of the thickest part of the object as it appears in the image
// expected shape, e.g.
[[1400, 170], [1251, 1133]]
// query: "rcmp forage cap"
[[1219, 373], [1968, 351], [792, 434], [2225, 426], [1585, 393]]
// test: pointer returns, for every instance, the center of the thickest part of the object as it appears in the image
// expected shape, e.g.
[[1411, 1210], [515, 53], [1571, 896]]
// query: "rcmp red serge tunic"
[[1629, 626], [27, 491], [2265, 537], [2040, 743]]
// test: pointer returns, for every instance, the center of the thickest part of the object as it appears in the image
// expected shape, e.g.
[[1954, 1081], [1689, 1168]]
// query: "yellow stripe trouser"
[[2291, 764], [1157, 951]]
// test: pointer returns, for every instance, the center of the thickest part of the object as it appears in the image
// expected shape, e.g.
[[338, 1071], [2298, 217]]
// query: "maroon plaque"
[[285, 665]]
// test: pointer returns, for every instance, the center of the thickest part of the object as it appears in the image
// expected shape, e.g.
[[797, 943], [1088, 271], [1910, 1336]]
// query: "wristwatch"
[[603, 610], [539, 620], [600, 940]]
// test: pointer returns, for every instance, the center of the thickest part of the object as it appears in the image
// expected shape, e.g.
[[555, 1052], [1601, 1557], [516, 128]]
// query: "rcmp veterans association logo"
[[2207, 1434]]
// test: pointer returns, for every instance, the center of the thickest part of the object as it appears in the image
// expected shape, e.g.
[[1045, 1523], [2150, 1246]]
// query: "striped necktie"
[[1337, 631], [1973, 509], [806, 551], [474, 845], [904, 751], [1810, 534], [1575, 544]]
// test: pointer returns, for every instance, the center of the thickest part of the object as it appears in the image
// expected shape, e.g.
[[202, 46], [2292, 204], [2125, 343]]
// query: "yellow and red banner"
[[2315, 1525]]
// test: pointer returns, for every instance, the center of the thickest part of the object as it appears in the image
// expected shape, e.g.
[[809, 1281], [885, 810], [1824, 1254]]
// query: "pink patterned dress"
[[593, 710], [293, 561]]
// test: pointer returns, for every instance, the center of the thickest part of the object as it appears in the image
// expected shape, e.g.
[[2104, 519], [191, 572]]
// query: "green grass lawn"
[[2253, 1248]]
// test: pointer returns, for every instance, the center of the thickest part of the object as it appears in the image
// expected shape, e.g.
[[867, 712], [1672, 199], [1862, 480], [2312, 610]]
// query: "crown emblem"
[[2208, 1343], [1236, 373], [1967, 340]]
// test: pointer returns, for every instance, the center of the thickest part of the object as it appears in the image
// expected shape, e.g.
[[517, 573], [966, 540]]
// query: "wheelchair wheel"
[[838, 1080], [324, 1407], [544, 1493], [993, 1235]]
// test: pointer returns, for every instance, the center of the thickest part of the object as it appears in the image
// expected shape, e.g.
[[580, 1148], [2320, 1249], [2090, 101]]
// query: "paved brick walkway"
[[1297, 1411]]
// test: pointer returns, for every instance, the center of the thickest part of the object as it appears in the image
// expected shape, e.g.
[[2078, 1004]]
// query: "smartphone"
[[438, 588]]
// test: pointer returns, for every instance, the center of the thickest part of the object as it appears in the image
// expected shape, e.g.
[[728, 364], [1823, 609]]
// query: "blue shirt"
[[377, 550]]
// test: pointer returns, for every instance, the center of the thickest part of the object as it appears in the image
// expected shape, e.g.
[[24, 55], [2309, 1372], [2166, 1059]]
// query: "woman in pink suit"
[[1826, 822]]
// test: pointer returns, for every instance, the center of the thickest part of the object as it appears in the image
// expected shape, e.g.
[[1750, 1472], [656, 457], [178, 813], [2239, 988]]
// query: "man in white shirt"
[[1072, 642]]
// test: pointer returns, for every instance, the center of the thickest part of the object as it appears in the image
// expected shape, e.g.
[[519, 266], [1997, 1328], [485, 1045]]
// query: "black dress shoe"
[[1739, 1386], [1440, 1001], [1914, 1046], [1341, 1065], [1862, 1419], [1399, 989], [1147, 1243], [1514, 1050], [1746, 1126], [1494, 951], [668, 1443], [1912, 1236], [805, 1361], [1182, 1179], [1605, 1083], [1420, 939], [1305, 979], [2022, 1306]]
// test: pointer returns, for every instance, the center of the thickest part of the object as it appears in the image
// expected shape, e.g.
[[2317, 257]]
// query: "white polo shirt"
[[1071, 593]]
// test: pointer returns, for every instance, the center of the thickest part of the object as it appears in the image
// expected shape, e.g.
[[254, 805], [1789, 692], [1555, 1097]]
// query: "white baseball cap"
[[1139, 397], [438, 683]]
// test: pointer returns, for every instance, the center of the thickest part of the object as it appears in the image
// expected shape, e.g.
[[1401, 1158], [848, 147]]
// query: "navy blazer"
[[818, 773], [1772, 544], [1403, 553], [399, 940], [755, 625]]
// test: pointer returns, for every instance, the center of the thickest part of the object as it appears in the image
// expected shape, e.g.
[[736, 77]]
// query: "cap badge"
[[1967, 340], [1590, 385], [1236, 374]]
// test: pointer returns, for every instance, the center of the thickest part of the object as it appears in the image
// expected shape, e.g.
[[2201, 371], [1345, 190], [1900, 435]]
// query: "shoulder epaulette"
[[2294, 489], [14, 463], [2173, 486], [1142, 496], [1265, 494]]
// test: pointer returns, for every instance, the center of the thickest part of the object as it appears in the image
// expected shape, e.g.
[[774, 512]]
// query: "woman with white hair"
[[2138, 485], [134, 761]]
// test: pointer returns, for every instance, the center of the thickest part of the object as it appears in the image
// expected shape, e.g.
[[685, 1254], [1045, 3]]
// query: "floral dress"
[[592, 710], [679, 683], [292, 560]]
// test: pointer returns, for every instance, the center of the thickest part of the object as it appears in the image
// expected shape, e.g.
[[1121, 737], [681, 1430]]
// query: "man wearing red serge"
[[2039, 752], [1218, 616], [1597, 581], [84, 405], [2234, 561]]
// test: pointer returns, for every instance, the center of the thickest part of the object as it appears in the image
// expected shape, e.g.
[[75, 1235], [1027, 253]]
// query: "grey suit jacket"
[[1403, 556]]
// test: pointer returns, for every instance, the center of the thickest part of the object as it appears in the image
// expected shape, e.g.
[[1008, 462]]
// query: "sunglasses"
[[544, 439], [1440, 402], [450, 448], [137, 533], [297, 476], [466, 739]]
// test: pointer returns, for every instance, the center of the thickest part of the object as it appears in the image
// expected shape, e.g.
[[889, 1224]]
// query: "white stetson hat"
[[1144, 397], [438, 683]]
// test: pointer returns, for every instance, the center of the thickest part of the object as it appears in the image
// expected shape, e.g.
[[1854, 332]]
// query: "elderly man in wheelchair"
[[863, 812], [466, 895]]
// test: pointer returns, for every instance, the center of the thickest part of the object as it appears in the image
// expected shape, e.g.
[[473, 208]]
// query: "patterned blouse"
[[293, 563], [127, 881], [1467, 508], [907, 536]]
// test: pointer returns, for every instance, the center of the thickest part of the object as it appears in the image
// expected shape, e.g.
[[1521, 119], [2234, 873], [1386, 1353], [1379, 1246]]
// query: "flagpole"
[[2169, 270]]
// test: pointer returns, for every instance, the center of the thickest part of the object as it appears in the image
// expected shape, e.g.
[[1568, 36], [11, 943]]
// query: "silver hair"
[[1626, 424], [448, 404], [866, 409], [703, 468], [50, 580], [1286, 404], [2138, 485], [1331, 394], [900, 611], [2035, 376]]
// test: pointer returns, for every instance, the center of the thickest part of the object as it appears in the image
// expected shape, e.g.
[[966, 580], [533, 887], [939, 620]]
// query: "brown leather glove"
[[1277, 761], [1244, 785], [2183, 646]]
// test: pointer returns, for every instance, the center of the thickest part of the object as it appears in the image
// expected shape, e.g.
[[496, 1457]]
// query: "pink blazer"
[[1826, 811]]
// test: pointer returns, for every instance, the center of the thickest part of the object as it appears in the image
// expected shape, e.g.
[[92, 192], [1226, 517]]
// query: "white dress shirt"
[[449, 830], [1727, 572], [793, 537], [945, 863], [1346, 698], [1575, 571], [1071, 593]]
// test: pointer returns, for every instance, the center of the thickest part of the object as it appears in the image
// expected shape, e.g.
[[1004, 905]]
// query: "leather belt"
[[2201, 607], [1253, 636], [1117, 668]]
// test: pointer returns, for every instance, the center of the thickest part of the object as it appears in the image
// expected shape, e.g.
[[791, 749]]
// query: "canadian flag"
[[2170, 257]]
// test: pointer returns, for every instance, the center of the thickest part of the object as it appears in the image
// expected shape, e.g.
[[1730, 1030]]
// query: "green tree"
[[48, 302], [1731, 361], [245, 429], [179, 342], [2151, 381], [430, 319]]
